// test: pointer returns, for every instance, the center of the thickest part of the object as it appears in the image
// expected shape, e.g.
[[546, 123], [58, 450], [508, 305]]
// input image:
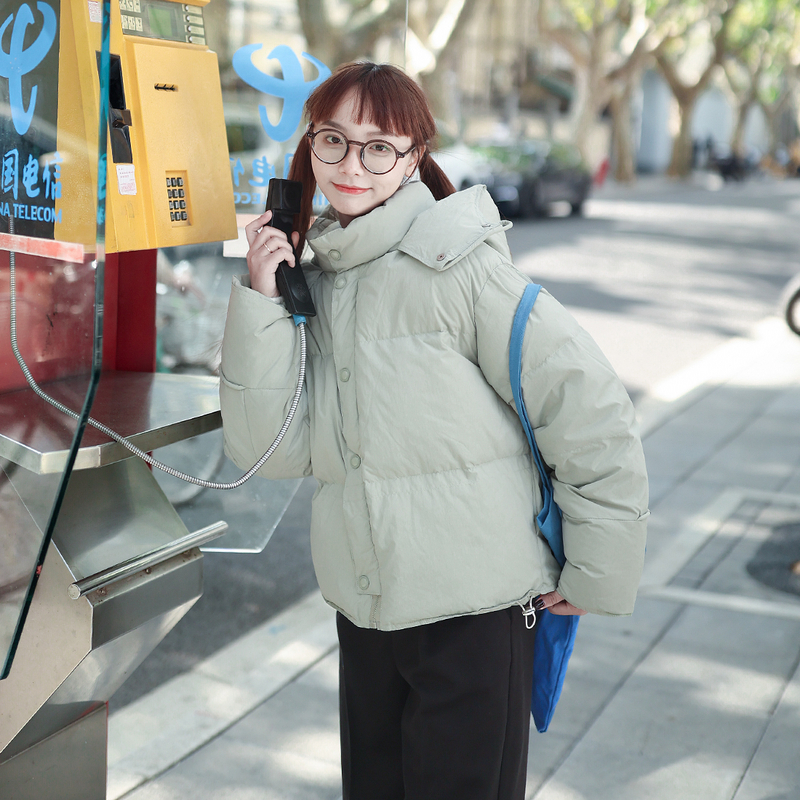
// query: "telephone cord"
[[112, 434]]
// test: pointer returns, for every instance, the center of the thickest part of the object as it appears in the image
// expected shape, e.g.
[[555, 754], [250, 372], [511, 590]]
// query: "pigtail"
[[301, 170], [433, 176]]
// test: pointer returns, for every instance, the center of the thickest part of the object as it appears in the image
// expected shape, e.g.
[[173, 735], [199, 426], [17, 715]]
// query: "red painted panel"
[[136, 311], [55, 316]]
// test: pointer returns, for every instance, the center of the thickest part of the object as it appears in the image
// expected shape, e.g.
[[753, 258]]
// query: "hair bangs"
[[386, 98]]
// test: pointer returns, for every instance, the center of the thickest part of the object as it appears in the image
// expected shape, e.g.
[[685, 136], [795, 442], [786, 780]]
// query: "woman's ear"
[[414, 161]]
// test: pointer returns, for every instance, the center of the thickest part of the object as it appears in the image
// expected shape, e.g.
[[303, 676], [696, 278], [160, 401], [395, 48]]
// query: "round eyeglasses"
[[377, 155]]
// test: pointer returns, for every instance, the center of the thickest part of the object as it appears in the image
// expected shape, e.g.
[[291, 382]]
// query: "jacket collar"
[[436, 234], [371, 236]]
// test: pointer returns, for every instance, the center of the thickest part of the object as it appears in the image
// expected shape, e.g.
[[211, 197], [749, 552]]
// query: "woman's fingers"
[[556, 604], [269, 247], [565, 609], [252, 229]]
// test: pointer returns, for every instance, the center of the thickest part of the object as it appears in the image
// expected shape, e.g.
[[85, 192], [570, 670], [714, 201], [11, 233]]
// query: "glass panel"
[[191, 304], [267, 74], [51, 269], [267, 69]]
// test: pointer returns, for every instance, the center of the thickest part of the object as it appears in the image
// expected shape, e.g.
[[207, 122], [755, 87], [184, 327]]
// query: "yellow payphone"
[[168, 173]]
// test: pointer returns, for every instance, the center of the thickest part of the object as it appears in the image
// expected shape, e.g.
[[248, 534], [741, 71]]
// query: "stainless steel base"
[[69, 765]]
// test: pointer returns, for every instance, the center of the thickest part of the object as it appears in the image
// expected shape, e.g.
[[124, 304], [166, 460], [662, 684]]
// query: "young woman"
[[423, 532]]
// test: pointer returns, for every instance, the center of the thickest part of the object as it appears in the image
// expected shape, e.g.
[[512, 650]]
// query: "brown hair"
[[387, 98]]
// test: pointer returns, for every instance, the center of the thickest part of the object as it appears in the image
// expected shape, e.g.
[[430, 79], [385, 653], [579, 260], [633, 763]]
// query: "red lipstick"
[[349, 189]]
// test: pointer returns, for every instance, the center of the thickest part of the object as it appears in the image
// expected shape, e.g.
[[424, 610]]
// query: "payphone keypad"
[[178, 198]]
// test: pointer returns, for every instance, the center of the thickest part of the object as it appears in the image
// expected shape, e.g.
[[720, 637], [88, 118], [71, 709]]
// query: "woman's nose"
[[352, 161]]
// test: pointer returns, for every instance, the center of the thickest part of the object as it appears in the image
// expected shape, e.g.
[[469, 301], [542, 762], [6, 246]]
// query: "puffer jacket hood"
[[440, 234], [427, 495]]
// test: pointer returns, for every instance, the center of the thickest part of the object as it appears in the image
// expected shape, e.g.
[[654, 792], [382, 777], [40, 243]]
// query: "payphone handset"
[[283, 200]]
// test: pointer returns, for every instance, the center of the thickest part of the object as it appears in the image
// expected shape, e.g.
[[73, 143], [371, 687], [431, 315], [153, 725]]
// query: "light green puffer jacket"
[[426, 491]]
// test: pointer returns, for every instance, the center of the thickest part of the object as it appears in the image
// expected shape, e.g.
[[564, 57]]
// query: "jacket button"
[[340, 282], [344, 375], [363, 582], [334, 255], [440, 257], [355, 462]]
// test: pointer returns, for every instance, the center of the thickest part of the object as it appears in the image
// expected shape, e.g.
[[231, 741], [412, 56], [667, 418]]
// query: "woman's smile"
[[345, 189]]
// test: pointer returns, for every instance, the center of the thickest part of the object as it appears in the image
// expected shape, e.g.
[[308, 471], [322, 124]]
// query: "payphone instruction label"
[[126, 178]]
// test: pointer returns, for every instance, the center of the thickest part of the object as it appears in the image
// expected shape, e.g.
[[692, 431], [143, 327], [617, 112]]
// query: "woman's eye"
[[380, 148], [332, 138]]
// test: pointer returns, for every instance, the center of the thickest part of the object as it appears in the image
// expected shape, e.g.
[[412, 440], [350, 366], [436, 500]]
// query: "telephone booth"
[[113, 145]]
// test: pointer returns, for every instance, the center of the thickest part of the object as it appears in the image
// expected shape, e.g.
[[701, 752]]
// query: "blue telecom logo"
[[30, 180], [20, 60], [293, 89]]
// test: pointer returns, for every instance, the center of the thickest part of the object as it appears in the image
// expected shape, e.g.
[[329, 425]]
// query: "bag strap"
[[515, 373]]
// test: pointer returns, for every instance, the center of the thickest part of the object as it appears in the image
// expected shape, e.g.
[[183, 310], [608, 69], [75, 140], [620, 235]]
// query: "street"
[[660, 275]]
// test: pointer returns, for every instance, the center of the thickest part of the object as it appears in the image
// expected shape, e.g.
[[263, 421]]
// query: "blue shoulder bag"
[[555, 636]]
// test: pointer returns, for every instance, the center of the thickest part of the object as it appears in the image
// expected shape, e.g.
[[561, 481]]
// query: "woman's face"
[[349, 187]]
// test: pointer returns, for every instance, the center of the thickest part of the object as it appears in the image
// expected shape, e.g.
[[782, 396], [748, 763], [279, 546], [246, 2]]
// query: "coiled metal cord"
[[112, 434]]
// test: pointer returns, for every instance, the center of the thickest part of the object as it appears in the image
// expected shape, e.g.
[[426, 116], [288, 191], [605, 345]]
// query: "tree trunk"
[[772, 116], [742, 111], [680, 164], [437, 86], [622, 135], [582, 113], [592, 93]]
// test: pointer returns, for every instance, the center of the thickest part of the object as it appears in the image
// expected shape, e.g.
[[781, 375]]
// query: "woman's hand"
[[268, 248], [556, 604]]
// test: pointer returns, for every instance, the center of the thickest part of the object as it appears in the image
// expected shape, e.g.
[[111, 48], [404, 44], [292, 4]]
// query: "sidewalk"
[[695, 697]]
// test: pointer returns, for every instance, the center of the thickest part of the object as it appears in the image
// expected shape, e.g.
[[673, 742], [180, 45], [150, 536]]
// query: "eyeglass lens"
[[331, 147]]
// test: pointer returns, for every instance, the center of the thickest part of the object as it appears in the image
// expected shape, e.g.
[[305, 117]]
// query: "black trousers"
[[436, 712]]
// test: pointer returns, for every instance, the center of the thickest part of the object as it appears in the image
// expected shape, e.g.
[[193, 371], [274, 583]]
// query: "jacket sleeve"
[[258, 379], [585, 427]]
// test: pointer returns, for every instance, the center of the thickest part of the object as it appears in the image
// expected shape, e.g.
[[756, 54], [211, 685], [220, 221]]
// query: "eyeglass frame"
[[398, 155]]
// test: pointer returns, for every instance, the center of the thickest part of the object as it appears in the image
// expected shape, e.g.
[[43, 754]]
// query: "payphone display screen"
[[160, 19]]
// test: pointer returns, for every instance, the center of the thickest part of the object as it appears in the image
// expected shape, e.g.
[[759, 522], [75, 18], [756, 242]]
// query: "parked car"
[[462, 164], [527, 177]]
